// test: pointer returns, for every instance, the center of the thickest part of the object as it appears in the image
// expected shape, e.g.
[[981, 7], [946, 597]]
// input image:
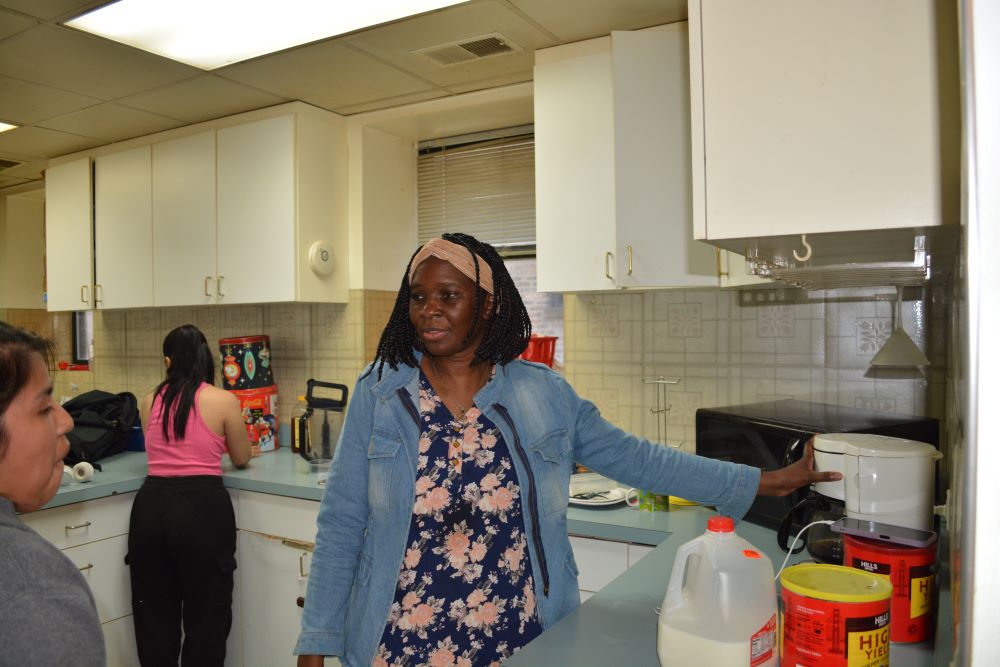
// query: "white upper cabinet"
[[123, 229], [251, 209], [813, 116], [69, 241], [256, 215], [184, 268], [612, 161]]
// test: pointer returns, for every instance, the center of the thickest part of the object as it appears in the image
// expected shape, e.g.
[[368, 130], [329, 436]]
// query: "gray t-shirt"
[[47, 613]]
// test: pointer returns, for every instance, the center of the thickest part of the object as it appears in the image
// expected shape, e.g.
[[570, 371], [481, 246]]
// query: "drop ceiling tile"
[[202, 98], [395, 43], [26, 103], [583, 19], [325, 74], [387, 103], [10, 181], [482, 84], [28, 170], [71, 60], [11, 24], [32, 143], [111, 122], [51, 9]]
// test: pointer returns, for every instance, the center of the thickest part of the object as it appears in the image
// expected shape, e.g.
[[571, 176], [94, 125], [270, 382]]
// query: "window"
[[484, 185]]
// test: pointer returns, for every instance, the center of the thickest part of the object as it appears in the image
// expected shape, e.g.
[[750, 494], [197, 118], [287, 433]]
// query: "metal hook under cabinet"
[[662, 406]]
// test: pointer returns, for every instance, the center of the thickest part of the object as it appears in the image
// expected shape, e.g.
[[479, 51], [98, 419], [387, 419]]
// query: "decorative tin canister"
[[260, 414], [246, 362]]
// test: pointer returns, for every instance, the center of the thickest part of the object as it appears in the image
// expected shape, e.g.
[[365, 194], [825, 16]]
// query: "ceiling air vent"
[[473, 48]]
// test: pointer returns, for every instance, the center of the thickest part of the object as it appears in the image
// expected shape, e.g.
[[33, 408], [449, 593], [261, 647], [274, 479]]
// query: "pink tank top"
[[199, 453]]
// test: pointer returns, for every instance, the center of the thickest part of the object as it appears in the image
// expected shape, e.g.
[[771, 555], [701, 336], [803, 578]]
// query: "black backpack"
[[102, 423]]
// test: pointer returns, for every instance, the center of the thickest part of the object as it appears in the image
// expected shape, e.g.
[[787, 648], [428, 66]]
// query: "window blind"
[[484, 188]]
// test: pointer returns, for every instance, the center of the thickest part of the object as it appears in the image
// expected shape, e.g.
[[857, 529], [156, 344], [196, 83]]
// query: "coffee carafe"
[[318, 426], [886, 480]]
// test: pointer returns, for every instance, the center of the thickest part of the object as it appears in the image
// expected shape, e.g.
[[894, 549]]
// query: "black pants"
[[181, 553]]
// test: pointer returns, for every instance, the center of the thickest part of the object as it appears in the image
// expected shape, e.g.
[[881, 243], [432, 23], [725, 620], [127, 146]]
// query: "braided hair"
[[507, 329]]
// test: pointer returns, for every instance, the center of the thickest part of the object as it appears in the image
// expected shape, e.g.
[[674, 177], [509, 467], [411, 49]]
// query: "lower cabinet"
[[602, 561], [94, 535], [276, 538]]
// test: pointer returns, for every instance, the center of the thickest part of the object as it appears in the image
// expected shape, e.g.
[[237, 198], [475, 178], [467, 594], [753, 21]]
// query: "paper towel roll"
[[83, 471], [67, 475]]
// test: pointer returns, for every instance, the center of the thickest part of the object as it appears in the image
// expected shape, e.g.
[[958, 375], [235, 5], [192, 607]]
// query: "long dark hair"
[[190, 364], [507, 330], [16, 347]]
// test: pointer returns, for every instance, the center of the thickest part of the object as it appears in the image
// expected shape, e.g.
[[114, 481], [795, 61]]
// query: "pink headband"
[[458, 256]]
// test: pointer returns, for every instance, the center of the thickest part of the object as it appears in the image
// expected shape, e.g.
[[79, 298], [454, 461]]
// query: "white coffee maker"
[[888, 480]]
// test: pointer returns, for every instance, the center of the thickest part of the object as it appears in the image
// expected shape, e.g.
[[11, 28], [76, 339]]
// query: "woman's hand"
[[310, 661], [788, 479]]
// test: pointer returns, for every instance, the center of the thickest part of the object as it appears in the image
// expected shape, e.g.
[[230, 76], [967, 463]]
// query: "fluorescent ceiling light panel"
[[6, 126], [214, 33]]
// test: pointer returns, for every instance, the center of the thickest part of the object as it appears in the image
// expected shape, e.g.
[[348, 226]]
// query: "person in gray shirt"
[[47, 613]]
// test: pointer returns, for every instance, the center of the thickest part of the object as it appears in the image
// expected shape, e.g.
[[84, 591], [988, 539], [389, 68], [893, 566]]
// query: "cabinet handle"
[[207, 279], [607, 266], [85, 524], [85, 294], [88, 566], [628, 252], [302, 562], [98, 293], [218, 286]]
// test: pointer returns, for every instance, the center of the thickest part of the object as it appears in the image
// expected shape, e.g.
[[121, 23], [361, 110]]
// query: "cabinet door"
[[574, 167], [22, 252], [824, 116], [600, 562], [654, 246], [103, 566], [123, 229], [119, 642], [256, 211], [273, 574], [69, 240], [184, 270]]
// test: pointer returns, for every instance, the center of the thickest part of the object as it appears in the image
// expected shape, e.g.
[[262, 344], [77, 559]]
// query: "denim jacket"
[[365, 514]]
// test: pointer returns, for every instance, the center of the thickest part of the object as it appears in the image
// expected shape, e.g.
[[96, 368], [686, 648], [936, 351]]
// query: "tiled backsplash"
[[725, 347], [730, 347], [330, 342]]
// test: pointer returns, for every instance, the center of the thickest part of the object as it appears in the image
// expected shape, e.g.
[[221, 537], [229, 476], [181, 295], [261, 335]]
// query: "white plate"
[[613, 497]]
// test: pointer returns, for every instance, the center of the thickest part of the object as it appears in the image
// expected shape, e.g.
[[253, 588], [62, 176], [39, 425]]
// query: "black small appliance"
[[773, 434]]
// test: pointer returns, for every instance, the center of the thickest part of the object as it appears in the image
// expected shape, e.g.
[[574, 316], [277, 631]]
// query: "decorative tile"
[[683, 405], [684, 320], [775, 322], [871, 334], [602, 321], [606, 401], [875, 404]]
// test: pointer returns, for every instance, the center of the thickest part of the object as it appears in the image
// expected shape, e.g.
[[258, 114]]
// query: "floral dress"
[[464, 595]]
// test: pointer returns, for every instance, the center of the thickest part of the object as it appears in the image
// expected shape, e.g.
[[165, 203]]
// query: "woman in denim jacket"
[[442, 532]]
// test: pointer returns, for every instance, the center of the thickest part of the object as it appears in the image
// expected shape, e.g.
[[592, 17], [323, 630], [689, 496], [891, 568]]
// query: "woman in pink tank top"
[[182, 533]]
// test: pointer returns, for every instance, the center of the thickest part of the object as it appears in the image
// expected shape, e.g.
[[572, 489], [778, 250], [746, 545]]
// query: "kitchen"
[[727, 351]]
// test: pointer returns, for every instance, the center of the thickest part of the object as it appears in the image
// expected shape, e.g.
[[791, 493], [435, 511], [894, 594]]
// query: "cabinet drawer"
[[119, 642], [103, 567], [80, 523], [599, 561], [278, 515]]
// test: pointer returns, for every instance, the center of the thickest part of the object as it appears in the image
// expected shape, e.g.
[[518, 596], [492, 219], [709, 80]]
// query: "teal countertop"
[[618, 625], [279, 473]]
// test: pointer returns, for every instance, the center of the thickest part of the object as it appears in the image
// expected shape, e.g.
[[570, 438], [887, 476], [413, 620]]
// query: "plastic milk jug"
[[720, 608]]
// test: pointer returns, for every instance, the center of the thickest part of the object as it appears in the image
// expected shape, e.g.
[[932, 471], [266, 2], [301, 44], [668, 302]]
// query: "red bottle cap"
[[721, 524]]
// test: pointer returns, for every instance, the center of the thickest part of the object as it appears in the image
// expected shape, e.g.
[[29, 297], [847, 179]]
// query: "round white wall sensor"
[[321, 258]]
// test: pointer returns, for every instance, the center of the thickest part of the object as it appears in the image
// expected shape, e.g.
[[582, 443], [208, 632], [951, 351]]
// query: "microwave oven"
[[773, 434]]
